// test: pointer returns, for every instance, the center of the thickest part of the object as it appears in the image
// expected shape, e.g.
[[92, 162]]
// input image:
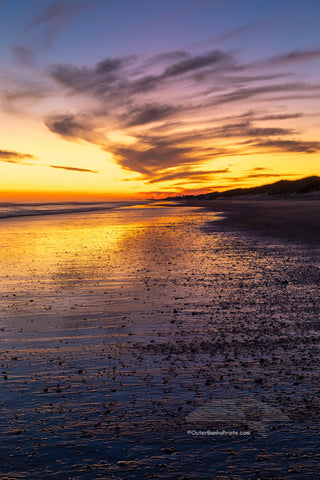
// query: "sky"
[[130, 99]]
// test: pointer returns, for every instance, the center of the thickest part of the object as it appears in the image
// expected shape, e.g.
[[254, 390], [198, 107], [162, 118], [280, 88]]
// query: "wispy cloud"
[[53, 16], [196, 176], [258, 169], [267, 175], [40, 32], [280, 116], [289, 146], [249, 27], [22, 54], [73, 169], [15, 97], [148, 114], [75, 128], [248, 130], [294, 57], [24, 159], [108, 76], [262, 92], [168, 107], [16, 157]]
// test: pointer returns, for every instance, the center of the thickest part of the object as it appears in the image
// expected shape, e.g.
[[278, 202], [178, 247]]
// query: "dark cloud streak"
[[73, 169], [267, 175], [294, 57], [199, 175], [289, 146], [75, 128], [16, 157], [149, 114], [198, 62]]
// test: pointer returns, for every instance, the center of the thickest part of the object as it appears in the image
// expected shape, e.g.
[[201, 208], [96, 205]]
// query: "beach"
[[295, 219], [161, 342]]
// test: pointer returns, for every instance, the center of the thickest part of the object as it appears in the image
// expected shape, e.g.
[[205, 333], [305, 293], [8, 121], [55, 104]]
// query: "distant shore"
[[293, 219]]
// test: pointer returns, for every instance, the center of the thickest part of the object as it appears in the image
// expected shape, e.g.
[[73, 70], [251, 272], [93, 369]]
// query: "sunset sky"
[[120, 99]]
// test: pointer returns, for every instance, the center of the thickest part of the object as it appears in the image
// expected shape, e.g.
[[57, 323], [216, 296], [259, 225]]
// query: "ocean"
[[15, 209]]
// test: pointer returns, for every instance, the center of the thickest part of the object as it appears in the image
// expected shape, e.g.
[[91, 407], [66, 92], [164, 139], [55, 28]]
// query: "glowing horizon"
[[129, 99]]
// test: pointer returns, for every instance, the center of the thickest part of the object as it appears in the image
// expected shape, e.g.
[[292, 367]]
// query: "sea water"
[[16, 209]]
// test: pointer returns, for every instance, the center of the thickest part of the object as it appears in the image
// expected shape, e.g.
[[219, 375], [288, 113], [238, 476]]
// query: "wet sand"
[[295, 220], [130, 338]]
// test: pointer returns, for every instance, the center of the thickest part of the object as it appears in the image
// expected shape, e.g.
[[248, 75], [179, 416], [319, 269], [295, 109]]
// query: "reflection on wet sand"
[[118, 327]]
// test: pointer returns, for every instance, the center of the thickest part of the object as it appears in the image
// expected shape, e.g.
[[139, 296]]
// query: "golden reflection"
[[91, 249]]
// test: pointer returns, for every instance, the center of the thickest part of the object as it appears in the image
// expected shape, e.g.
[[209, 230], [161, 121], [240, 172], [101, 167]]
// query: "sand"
[[294, 220], [159, 343]]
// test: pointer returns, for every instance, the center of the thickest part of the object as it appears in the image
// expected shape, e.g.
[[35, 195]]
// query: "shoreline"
[[83, 208]]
